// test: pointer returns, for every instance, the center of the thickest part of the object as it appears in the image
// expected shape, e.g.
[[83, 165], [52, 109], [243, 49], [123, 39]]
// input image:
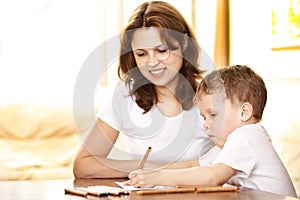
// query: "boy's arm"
[[183, 164], [208, 159], [217, 174]]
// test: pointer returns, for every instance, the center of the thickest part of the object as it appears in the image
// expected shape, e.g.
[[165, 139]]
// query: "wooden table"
[[54, 190]]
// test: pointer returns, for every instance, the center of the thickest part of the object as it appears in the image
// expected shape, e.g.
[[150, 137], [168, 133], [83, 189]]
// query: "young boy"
[[231, 101]]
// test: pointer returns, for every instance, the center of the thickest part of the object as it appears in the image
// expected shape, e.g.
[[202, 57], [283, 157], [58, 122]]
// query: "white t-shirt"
[[171, 138], [249, 150]]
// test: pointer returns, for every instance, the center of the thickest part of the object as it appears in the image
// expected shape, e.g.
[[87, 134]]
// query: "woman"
[[153, 106]]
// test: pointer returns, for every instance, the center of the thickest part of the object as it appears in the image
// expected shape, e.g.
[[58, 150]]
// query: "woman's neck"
[[168, 103]]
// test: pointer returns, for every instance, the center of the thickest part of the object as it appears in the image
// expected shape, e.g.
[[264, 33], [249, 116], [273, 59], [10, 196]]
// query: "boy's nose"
[[206, 125]]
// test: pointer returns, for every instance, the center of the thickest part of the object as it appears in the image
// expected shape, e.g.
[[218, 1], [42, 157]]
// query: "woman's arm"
[[91, 161]]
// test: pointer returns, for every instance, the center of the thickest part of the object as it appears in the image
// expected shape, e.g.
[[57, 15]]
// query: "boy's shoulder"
[[253, 135], [251, 129]]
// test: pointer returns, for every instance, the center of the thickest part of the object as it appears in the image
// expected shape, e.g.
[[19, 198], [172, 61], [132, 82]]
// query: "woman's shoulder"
[[121, 89]]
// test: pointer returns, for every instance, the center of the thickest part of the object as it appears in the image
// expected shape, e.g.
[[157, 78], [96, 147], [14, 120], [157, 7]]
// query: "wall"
[[43, 44], [251, 43]]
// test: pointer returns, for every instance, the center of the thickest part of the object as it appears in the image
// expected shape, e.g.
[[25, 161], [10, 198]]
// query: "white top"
[[250, 151], [171, 138]]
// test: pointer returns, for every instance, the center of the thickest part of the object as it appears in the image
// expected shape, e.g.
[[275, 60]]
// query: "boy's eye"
[[213, 114]]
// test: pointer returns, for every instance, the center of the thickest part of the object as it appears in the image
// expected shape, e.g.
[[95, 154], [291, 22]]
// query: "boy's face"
[[220, 116]]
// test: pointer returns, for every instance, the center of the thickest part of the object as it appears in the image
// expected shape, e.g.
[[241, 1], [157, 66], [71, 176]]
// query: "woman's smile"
[[157, 72]]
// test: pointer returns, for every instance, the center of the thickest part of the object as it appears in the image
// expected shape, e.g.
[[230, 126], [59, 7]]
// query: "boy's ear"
[[246, 111]]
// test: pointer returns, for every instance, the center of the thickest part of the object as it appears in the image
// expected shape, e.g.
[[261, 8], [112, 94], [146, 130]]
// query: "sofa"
[[36, 142]]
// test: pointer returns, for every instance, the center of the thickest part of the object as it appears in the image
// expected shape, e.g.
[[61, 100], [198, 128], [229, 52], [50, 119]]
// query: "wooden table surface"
[[54, 190]]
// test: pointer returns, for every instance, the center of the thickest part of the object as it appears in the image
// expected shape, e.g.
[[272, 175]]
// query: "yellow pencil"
[[142, 163], [166, 191], [75, 192], [200, 188]]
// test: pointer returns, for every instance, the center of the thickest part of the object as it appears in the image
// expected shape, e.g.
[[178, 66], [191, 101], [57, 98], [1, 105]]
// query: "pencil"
[[166, 191], [200, 188], [142, 163], [216, 189], [76, 192]]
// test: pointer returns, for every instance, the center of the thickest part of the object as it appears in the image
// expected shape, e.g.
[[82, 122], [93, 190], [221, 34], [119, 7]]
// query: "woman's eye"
[[140, 54], [213, 114], [162, 50]]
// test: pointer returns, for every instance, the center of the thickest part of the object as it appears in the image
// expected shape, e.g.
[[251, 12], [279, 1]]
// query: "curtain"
[[222, 42]]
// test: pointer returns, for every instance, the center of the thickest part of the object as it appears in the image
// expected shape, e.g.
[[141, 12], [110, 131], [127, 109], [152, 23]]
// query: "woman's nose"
[[152, 59]]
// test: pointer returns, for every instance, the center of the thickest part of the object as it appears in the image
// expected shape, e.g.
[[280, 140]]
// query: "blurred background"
[[44, 43]]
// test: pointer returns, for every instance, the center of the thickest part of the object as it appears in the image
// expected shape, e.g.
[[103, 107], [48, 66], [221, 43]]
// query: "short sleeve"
[[114, 109], [237, 153], [106, 114]]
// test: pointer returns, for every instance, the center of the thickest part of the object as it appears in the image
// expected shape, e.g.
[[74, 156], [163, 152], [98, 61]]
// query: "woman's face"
[[154, 59]]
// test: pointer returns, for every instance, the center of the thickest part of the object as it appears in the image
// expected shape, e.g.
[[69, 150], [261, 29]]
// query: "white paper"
[[132, 188]]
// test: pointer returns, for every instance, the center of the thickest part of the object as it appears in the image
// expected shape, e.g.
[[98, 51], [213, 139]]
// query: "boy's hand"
[[143, 178]]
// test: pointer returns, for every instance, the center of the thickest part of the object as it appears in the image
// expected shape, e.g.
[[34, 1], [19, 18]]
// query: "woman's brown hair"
[[172, 26]]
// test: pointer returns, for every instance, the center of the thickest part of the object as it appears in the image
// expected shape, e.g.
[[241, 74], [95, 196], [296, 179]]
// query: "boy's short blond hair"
[[241, 84]]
